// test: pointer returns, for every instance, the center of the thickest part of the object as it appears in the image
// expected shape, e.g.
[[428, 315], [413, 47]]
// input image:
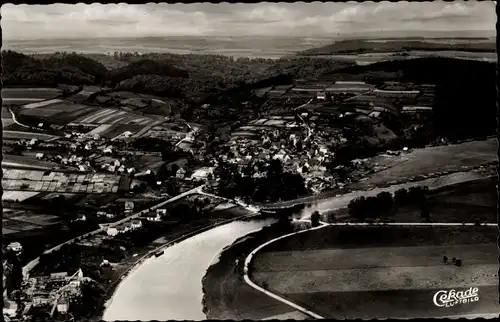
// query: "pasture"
[[334, 271], [432, 160]]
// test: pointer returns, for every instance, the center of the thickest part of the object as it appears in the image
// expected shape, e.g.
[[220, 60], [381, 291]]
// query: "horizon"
[[307, 20]]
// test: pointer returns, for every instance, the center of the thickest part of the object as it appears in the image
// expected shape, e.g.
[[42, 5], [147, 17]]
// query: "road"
[[27, 268], [16, 121], [297, 307]]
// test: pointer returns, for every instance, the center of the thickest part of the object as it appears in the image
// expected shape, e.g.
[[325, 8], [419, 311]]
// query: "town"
[[181, 167]]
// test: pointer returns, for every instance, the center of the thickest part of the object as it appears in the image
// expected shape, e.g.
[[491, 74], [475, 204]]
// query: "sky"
[[24, 22]]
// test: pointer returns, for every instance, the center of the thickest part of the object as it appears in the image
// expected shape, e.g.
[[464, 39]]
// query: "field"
[[458, 203], [20, 96], [29, 159], [432, 160], [26, 135], [60, 182], [18, 195], [15, 221], [355, 272]]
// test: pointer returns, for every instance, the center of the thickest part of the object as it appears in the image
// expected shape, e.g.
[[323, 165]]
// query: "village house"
[[153, 216], [80, 217], [112, 231], [162, 211], [136, 224], [129, 205], [180, 173]]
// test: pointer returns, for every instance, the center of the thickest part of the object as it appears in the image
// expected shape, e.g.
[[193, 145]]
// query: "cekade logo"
[[451, 298]]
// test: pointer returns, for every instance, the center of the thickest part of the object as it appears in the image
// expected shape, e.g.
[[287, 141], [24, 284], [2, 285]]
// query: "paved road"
[[33, 263]]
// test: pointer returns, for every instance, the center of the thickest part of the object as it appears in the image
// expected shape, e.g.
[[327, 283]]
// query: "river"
[[170, 287], [341, 201]]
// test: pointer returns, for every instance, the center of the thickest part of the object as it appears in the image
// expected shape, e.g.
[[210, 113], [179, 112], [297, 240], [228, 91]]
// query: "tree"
[[315, 219], [385, 201], [424, 210], [445, 259], [400, 196], [458, 262]]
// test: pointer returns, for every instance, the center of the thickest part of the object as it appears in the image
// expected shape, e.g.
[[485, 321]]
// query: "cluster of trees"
[[15, 276], [70, 69], [383, 204], [275, 185]]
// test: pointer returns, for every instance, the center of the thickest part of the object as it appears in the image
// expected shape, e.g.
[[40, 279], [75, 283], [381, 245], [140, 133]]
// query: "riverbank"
[[472, 174], [182, 233], [180, 269], [225, 293]]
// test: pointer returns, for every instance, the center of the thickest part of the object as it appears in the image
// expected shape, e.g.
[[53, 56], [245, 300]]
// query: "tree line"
[[384, 203]]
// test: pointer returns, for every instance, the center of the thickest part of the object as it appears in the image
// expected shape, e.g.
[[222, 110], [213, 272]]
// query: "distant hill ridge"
[[359, 46]]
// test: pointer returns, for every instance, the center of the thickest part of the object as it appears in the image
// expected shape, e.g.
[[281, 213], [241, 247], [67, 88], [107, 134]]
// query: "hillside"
[[21, 70], [144, 67], [359, 46], [465, 103]]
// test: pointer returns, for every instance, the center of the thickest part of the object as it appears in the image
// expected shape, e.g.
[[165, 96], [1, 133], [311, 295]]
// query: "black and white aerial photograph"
[[249, 161]]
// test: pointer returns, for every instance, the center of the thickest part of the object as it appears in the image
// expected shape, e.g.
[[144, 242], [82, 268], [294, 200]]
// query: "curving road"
[[249, 258]]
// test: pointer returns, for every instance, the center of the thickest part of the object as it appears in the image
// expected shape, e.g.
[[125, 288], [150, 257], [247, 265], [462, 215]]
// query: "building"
[[15, 247], [80, 217], [112, 231], [58, 276], [201, 174], [129, 205], [136, 224], [153, 217], [62, 305], [180, 173]]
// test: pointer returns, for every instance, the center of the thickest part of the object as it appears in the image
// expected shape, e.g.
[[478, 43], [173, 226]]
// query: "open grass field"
[[7, 122], [18, 195], [26, 135], [30, 93], [433, 160], [336, 271]]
